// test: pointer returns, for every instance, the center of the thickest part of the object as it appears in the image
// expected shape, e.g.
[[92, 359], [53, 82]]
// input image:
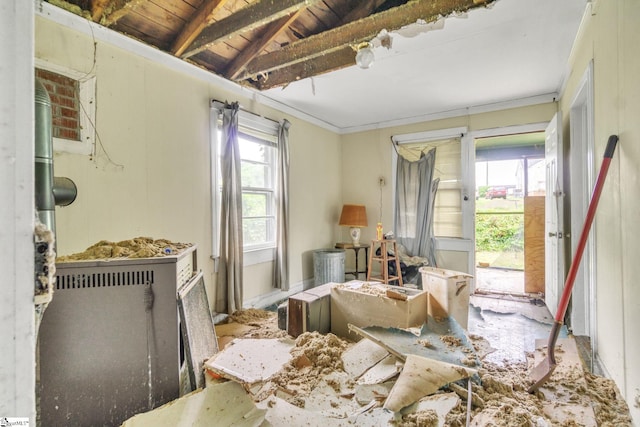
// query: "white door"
[[582, 178], [554, 251]]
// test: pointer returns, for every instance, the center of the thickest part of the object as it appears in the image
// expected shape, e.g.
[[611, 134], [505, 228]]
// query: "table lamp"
[[354, 216]]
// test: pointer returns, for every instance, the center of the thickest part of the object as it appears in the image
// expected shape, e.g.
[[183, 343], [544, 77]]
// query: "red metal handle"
[[591, 212]]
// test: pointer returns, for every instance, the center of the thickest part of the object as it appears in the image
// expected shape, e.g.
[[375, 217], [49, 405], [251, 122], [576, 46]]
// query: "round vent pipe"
[[49, 191]]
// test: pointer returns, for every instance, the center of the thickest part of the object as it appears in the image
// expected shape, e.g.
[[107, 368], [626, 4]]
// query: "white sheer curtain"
[[281, 264], [229, 280], [415, 197]]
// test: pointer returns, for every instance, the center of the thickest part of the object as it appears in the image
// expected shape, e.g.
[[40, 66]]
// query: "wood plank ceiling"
[[262, 43]]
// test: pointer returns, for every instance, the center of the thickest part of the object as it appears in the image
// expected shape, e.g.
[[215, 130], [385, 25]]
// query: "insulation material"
[[45, 267], [139, 247], [219, 404], [431, 410]]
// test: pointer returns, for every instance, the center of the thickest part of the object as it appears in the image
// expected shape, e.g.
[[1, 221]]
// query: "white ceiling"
[[514, 50]]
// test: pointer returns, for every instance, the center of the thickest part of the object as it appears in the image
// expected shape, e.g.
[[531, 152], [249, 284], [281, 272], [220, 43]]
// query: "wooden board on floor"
[[534, 244]]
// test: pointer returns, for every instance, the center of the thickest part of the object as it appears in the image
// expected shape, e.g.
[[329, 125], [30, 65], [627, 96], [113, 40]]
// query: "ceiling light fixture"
[[364, 55]]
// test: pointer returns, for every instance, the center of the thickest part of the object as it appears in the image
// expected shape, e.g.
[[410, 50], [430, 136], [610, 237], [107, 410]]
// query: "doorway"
[[509, 213]]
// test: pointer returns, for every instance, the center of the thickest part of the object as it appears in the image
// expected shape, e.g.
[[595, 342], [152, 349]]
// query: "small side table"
[[356, 249]]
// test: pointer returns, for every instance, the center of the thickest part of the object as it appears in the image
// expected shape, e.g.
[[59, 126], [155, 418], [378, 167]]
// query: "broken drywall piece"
[[512, 305], [282, 413], [421, 377], [384, 370], [361, 357], [251, 360], [221, 404], [442, 339], [441, 404], [365, 393], [375, 339]]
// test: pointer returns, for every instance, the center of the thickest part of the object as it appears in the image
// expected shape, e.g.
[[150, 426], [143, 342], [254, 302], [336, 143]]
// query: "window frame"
[[257, 129], [87, 113], [270, 213]]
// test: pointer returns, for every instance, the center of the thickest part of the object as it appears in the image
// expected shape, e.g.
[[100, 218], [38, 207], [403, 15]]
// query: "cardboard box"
[[310, 311], [349, 305], [448, 293]]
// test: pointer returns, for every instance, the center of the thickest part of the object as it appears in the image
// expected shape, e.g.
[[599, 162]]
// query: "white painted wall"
[[610, 36], [17, 334], [150, 174]]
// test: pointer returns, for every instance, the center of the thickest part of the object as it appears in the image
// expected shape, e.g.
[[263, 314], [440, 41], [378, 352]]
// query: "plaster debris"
[[315, 389], [264, 323], [451, 341], [139, 247]]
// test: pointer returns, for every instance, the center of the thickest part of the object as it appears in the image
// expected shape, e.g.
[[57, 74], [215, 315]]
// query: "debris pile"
[[323, 380], [139, 247]]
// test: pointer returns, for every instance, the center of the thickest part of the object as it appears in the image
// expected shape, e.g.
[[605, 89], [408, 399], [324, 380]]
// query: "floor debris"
[[422, 377], [328, 381], [251, 360], [220, 404]]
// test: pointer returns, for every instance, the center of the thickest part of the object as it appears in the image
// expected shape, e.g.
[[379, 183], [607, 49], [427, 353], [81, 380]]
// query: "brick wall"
[[65, 104]]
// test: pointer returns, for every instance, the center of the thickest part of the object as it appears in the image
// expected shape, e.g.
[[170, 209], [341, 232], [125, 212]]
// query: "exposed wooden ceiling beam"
[[356, 32], [117, 9], [272, 31], [319, 65], [199, 22], [249, 18]]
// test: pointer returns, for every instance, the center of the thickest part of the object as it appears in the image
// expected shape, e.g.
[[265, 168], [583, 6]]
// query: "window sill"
[[259, 256]]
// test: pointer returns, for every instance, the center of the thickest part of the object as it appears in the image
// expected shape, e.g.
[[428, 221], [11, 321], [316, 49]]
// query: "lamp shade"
[[353, 216]]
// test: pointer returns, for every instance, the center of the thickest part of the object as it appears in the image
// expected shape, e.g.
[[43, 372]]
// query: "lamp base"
[[355, 235]]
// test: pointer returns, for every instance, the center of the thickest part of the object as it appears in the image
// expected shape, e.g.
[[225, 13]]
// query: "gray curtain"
[[415, 197], [229, 280], [281, 265]]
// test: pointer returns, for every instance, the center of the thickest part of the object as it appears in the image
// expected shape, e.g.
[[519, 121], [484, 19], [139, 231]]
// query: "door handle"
[[558, 234]]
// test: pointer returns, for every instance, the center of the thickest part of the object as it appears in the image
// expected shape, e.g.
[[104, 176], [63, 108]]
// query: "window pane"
[[250, 150], [256, 175], [257, 230], [254, 204]]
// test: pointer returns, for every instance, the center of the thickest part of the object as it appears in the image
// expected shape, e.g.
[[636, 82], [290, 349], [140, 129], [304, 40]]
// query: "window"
[[447, 208], [72, 95], [257, 141], [257, 157]]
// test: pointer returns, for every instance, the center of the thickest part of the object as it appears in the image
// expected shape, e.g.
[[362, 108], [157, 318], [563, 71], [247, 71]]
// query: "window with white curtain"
[[257, 140], [447, 220]]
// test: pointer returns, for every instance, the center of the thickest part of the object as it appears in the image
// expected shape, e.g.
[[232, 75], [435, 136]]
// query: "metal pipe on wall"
[[45, 202], [50, 191]]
